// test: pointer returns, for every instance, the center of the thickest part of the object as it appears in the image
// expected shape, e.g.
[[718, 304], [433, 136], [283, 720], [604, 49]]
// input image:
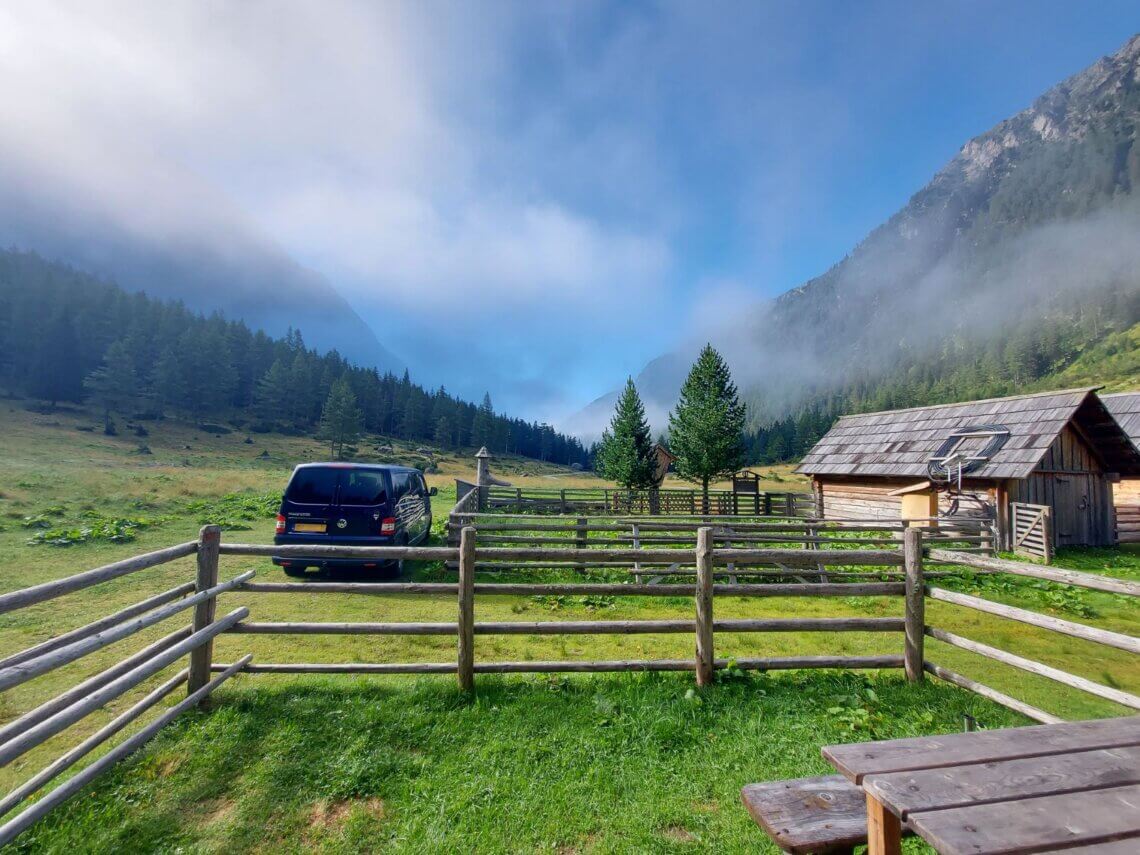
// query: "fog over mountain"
[[1033, 218]]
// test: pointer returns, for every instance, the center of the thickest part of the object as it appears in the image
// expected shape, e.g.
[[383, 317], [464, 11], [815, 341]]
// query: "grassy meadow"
[[530, 763]]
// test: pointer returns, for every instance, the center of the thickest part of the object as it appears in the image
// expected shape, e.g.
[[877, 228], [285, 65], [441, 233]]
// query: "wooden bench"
[[810, 815]]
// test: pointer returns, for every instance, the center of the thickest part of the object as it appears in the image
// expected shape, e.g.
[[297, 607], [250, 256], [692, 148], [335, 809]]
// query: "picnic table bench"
[[1073, 787]]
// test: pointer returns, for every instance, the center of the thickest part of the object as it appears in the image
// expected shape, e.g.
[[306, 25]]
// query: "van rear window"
[[362, 488], [313, 486]]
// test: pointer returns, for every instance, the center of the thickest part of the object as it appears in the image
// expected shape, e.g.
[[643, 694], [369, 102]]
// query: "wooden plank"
[[58, 587], [466, 622], [1047, 822], [70, 696], [704, 608], [1115, 695], [1065, 627], [857, 760], [74, 755], [994, 695], [410, 553], [21, 673], [905, 793], [35, 735], [209, 539], [915, 605], [11, 829], [884, 831], [809, 815], [1034, 571], [95, 626]]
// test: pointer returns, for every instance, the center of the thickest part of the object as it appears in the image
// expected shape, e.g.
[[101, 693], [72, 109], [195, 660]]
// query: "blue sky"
[[531, 198]]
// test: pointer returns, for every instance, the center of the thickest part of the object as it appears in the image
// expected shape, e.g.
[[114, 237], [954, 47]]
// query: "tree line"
[[66, 336]]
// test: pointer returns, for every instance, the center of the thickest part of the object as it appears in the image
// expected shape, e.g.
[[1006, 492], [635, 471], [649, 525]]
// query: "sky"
[[531, 199]]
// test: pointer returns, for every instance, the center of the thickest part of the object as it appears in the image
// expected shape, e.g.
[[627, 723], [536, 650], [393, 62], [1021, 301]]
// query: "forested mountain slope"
[[58, 327], [1019, 259]]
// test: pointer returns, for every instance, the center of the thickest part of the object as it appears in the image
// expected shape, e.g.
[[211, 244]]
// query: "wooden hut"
[[663, 459], [1125, 408], [1060, 450]]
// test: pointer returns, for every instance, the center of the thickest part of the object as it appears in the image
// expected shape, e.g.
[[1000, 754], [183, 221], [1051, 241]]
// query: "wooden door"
[[1073, 509]]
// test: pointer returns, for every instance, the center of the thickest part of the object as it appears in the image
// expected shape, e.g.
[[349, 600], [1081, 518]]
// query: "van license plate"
[[315, 527]]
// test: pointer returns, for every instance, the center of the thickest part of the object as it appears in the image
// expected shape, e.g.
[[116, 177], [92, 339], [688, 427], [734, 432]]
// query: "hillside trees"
[[625, 453], [707, 426], [57, 327], [114, 385], [342, 422]]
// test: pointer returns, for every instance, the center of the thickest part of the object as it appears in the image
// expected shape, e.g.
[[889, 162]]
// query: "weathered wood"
[[704, 608], [905, 793], [1033, 825], [994, 695], [27, 670], [74, 755], [209, 539], [884, 831], [1034, 571], [383, 553], [1065, 627], [597, 627], [799, 558], [915, 600], [67, 698], [814, 589], [95, 626], [372, 588], [858, 760], [809, 815], [346, 668], [11, 829], [59, 587], [1115, 695], [786, 663], [33, 736], [466, 623]]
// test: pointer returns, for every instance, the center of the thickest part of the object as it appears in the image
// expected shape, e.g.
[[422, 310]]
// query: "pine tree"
[[113, 386], [270, 395], [443, 432], [625, 454], [706, 428], [341, 420], [482, 426]]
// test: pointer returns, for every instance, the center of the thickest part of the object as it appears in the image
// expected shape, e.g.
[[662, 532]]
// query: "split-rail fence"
[[898, 571]]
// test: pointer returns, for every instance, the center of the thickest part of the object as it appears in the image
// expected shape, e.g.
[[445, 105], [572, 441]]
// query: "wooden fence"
[[662, 501], [1033, 530], [900, 572]]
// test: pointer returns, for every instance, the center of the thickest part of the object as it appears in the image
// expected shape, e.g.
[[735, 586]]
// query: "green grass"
[[612, 763]]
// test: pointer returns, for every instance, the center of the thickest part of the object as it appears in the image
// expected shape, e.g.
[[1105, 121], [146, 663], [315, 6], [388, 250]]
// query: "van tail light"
[[388, 525], [280, 524]]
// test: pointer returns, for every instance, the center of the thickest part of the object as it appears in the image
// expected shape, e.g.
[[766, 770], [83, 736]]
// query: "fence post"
[[466, 664], [562, 499], [209, 542], [915, 620], [704, 598], [580, 534], [635, 530]]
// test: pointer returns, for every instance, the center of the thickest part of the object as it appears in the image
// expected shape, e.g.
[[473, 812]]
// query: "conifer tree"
[[625, 454], [484, 422], [706, 428], [113, 386], [341, 420]]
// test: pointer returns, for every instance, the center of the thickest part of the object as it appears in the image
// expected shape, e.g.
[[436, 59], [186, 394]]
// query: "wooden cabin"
[[1061, 450], [1125, 408]]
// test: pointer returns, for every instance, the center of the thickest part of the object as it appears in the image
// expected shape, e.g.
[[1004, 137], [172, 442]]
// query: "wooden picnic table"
[[1072, 787]]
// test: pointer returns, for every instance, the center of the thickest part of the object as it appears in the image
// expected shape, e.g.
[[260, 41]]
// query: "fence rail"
[[666, 500]]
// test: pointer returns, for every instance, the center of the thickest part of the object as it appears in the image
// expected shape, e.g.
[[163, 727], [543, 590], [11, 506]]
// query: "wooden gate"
[[1033, 530]]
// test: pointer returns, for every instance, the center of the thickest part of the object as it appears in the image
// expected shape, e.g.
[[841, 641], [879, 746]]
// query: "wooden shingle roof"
[[1125, 408], [899, 443]]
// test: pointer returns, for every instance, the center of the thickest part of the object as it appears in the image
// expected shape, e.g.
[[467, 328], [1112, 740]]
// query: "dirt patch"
[[680, 834], [216, 810], [707, 807], [327, 815]]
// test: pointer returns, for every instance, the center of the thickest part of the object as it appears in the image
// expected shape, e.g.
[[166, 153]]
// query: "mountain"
[[1014, 260], [206, 255]]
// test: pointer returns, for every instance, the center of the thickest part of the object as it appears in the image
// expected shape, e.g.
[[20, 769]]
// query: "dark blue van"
[[352, 504]]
